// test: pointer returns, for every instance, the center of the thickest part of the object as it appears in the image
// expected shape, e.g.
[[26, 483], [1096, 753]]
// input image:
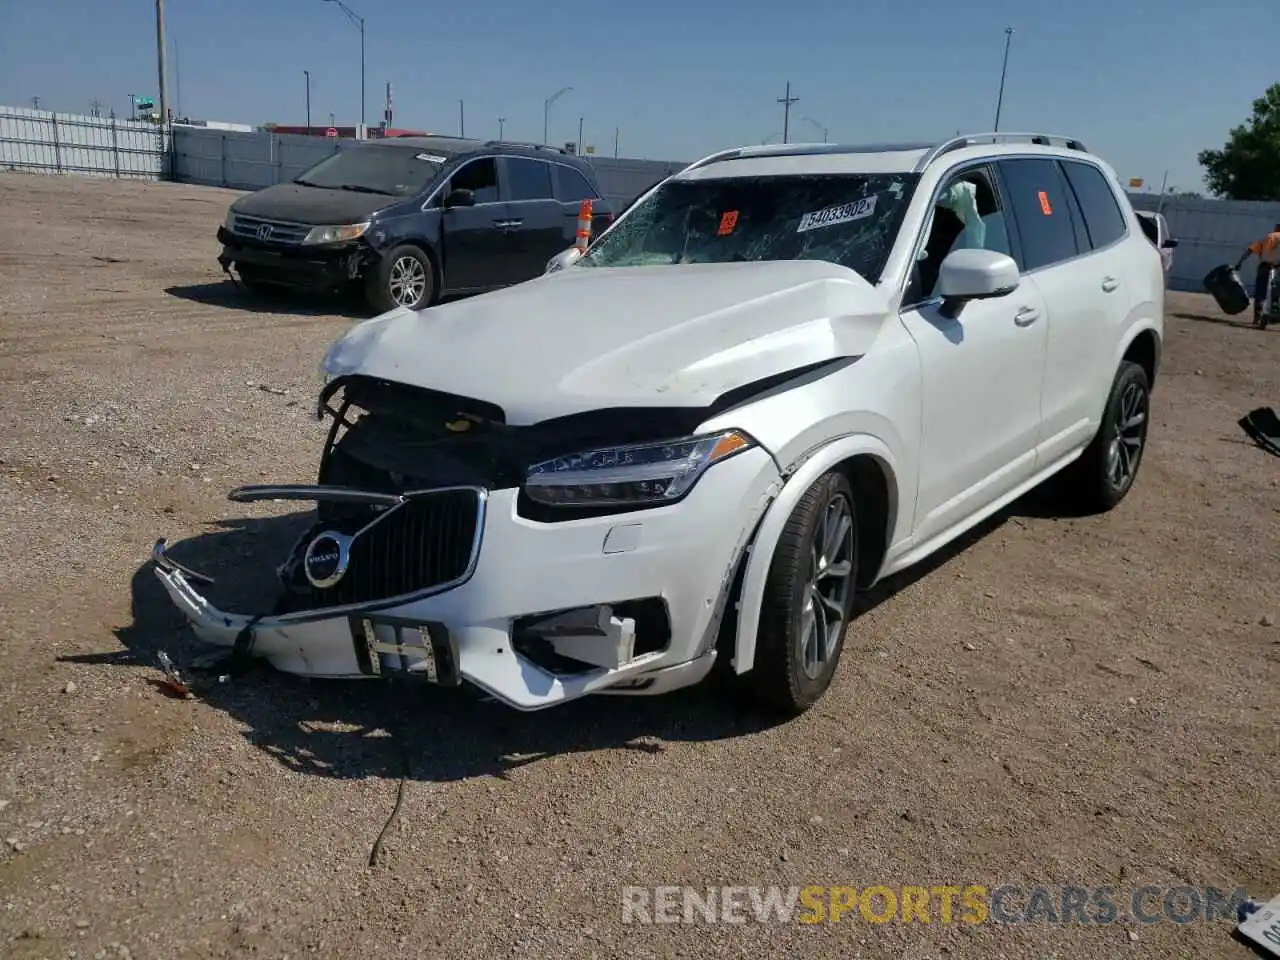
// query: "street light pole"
[[501, 121], [786, 102], [307, 74], [162, 51], [1008, 36], [581, 148], [462, 120], [546, 109], [817, 126], [617, 131], [359, 22]]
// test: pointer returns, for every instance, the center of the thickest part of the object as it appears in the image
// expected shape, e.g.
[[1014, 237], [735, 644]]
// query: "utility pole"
[[177, 82], [786, 102], [133, 106], [307, 74], [35, 102], [359, 22], [95, 107], [462, 120], [162, 51], [1008, 36], [581, 149], [501, 121], [616, 132]]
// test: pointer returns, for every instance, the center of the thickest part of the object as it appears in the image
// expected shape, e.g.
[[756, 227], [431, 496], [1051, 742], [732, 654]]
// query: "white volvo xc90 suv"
[[782, 375]]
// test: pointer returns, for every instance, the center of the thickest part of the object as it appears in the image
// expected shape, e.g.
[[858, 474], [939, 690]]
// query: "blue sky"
[[1146, 84]]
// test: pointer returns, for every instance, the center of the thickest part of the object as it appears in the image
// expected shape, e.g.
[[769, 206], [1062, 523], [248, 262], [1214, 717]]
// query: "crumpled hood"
[[590, 338], [296, 203]]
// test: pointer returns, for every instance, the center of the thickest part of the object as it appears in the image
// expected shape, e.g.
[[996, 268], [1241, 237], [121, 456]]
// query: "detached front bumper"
[[312, 268], [581, 576]]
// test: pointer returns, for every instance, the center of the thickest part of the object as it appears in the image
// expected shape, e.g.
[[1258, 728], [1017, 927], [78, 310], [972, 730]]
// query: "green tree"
[[1248, 165]]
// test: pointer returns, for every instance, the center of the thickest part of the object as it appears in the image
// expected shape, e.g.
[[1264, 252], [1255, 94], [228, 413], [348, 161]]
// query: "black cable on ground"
[[407, 772]]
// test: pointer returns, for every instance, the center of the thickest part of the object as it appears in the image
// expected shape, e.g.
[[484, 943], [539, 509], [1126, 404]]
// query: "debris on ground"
[[171, 679]]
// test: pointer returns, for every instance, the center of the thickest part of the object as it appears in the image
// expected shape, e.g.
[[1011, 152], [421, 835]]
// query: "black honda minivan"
[[412, 218]]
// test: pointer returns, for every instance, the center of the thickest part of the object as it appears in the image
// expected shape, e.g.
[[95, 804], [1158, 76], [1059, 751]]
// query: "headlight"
[[640, 474], [351, 231], [231, 221]]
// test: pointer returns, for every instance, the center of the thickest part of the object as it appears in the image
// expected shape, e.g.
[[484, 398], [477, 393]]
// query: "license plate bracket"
[[400, 647]]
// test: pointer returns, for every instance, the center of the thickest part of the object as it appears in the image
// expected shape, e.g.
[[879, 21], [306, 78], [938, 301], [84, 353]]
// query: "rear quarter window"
[[1103, 217], [572, 186]]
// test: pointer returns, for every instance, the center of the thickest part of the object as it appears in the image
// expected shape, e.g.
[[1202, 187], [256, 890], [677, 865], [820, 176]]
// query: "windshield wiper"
[[357, 188], [305, 183]]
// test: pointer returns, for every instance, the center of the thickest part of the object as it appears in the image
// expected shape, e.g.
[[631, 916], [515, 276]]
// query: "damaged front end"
[[378, 579]]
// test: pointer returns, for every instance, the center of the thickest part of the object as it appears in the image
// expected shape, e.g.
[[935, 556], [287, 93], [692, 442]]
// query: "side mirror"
[[459, 198], [975, 275], [1170, 244], [565, 258]]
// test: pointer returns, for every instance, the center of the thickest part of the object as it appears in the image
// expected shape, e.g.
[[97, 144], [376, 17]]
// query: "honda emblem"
[[264, 231]]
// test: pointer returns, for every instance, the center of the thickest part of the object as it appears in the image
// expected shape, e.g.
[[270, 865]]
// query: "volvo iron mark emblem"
[[326, 559], [264, 231]]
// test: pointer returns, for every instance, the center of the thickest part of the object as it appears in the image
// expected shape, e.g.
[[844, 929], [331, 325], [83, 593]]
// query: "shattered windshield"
[[395, 171], [849, 219]]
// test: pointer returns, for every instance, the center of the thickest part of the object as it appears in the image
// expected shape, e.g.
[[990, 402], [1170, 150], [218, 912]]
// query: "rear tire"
[[405, 277], [1107, 469], [808, 597]]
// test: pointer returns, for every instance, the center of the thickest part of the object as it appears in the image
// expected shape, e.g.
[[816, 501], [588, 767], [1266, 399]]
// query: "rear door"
[[536, 218], [475, 240], [571, 189]]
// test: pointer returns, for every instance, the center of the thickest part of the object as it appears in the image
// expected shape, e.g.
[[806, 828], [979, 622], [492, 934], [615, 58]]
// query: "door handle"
[[503, 223], [1026, 316], [1109, 284]]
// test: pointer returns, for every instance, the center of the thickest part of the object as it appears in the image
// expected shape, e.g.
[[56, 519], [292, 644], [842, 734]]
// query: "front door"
[[475, 238], [536, 217], [980, 371]]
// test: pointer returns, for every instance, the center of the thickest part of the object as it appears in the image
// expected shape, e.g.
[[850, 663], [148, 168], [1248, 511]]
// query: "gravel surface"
[[1092, 701]]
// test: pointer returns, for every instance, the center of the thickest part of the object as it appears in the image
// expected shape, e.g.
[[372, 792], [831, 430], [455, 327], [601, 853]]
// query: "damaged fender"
[[760, 557]]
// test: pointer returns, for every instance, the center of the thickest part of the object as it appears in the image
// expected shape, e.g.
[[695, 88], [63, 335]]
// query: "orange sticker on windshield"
[[1044, 204], [728, 220]]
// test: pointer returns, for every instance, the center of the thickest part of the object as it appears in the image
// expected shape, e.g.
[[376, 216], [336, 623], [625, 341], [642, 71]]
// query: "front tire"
[[808, 597], [404, 277], [1105, 472]]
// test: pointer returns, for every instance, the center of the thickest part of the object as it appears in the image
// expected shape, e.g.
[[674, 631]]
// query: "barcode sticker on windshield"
[[855, 210], [431, 157]]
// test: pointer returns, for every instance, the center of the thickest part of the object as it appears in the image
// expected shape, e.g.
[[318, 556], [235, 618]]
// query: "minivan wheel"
[[403, 278], [1105, 472], [808, 598]]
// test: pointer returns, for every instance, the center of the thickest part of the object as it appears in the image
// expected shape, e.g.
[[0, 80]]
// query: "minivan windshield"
[[848, 219], [399, 171]]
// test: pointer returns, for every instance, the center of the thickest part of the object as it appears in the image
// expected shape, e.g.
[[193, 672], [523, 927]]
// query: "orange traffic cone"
[[584, 226]]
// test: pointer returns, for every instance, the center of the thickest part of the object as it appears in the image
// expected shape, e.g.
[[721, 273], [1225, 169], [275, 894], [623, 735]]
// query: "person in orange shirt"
[[1267, 250]]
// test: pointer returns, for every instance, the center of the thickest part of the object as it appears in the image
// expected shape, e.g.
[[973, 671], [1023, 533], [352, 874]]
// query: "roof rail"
[[973, 139], [522, 143], [765, 151]]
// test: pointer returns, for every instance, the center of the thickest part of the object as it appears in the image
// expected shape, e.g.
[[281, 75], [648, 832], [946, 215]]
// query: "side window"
[[1102, 215], [1036, 193], [480, 177], [528, 179], [968, 214], [571, 186]]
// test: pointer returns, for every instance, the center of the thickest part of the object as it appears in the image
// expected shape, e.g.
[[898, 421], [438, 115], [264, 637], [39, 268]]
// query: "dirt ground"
[[1057, 701]]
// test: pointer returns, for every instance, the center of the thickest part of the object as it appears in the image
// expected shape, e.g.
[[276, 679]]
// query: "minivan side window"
[[1037, 193], [480, 177], [571, 186], [1102, 214], [528, 179]]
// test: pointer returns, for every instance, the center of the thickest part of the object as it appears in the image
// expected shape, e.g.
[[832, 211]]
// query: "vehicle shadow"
[[1221, 321], [228, 296], [357, 729]]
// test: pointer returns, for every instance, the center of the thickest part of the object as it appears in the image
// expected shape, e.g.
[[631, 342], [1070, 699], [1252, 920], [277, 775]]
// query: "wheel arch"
[[870, 467], [1143, 348]]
